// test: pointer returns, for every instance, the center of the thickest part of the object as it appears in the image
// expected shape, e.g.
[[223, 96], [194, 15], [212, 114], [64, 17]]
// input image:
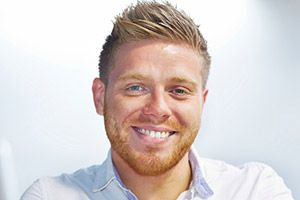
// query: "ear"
[[204, 95], [98, 89]]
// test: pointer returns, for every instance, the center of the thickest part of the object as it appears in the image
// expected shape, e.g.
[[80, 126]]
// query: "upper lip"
[[155, 128]]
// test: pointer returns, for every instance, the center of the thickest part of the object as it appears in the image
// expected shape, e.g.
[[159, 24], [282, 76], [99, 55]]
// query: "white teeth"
[[146, 132], [154, 134], [142, 130], [157, 134]]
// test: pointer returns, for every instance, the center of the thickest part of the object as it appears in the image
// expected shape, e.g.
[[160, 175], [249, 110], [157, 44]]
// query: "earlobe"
[[98, 89]]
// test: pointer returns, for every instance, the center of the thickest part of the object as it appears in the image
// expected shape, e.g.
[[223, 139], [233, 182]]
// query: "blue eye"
[[179, 91], [135, 88]]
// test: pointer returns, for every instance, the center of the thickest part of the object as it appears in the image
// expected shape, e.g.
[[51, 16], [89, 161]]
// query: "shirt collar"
[[199, 182], [105, 174], [108, 173]]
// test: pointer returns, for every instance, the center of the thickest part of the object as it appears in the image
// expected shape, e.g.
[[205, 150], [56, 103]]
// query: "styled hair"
[[153, 20]]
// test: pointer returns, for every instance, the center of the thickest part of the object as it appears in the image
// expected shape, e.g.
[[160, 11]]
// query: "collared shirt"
[[212, 179], [198, 185]]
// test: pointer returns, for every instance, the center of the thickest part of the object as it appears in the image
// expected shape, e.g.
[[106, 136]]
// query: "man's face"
[[152, 104]]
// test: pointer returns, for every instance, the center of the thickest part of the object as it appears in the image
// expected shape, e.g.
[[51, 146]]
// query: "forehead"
[[144, 47], [157, 59]]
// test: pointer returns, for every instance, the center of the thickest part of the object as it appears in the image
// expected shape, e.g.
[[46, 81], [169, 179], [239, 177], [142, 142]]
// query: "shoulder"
[[215, 169], [222, 166], [253, 178], [74, 185]]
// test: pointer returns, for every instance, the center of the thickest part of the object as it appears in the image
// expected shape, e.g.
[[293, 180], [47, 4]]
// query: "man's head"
[[152, 20], [153, 71]]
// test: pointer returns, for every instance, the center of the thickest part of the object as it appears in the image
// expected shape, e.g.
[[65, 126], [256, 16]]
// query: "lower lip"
[[147, 139]]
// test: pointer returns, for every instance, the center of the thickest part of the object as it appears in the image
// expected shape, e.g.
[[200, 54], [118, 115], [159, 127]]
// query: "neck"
[[176, 180]]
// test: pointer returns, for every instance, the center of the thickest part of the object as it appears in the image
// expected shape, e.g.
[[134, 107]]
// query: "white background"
[[48, 59]]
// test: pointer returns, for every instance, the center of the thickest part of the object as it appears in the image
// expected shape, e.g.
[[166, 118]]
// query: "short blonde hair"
[[153, 20]]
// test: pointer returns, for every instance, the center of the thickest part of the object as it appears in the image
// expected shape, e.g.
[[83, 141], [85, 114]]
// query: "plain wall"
[[48, 59]]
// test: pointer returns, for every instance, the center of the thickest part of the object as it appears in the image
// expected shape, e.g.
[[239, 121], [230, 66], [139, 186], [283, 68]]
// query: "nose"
[[157, 108]]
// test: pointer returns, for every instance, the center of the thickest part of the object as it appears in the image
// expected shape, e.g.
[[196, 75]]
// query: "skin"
[[155, 86]]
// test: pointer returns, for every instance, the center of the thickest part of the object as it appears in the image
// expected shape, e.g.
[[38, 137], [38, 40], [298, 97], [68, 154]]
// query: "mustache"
[[168, 123]]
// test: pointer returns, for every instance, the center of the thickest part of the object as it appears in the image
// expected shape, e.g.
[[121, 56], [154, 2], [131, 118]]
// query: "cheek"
[[188, 113], [124, 107]]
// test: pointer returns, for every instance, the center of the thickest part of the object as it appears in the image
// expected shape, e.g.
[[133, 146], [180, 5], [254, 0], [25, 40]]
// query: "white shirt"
[[212, 179]]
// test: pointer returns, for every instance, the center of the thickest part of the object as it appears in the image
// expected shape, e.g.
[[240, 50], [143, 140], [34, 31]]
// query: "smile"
[[154, 134]]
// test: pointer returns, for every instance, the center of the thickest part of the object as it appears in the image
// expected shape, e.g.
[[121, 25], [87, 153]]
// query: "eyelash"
[[130, 88], [136, 90], [184, 92]]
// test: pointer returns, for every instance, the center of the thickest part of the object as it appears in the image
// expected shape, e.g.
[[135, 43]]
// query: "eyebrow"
[[138, 77], [176, 79], [179, 79]]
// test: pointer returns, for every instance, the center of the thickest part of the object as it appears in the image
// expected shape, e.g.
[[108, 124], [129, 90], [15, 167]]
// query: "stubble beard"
[[150, 163]]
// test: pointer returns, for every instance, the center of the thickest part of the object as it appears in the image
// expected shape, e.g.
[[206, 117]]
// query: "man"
[[152, 87]]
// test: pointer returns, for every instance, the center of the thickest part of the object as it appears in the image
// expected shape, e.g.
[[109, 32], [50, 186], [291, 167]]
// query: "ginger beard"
[[150, 163]]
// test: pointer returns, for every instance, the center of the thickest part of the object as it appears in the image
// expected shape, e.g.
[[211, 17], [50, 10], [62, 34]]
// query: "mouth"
[[156, 134]]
